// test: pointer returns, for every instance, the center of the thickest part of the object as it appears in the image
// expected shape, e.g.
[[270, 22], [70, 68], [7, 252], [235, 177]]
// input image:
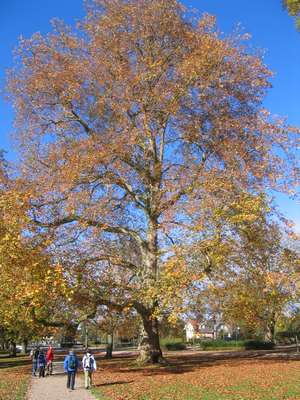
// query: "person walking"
[[89, 366], [49, 360], [41, 363], [34, 358], [70, 366]]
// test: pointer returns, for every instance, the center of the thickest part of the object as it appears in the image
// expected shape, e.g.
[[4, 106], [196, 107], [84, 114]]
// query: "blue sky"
[[271, 28]]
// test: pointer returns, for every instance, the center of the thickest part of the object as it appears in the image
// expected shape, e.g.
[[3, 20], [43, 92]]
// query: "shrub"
[[286, 337], [67, 345], [173, 343], [217, 344], [258, 345], [175, 346]]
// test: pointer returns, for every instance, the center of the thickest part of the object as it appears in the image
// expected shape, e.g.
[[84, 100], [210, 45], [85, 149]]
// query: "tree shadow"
[[180, 363], [14, 363], [113, 383]]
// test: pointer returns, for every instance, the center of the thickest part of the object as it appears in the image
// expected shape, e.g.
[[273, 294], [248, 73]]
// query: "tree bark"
[[150, 351], [109, 346], [13, 349], [271, 332], [69, 337], [24, 346]]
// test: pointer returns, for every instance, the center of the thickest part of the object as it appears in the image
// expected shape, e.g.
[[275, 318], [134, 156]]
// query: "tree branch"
[[89, 222]]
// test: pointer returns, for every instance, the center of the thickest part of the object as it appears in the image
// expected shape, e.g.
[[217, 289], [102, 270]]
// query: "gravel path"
[[54, 388]]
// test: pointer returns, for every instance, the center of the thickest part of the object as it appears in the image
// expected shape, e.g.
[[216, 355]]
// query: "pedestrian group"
[[43, 365]]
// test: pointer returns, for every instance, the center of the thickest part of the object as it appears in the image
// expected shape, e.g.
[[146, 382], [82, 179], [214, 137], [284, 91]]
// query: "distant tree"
[[264, 283], [20, 264], [111, 323], [31, 286], [293, 7], [168, 329]]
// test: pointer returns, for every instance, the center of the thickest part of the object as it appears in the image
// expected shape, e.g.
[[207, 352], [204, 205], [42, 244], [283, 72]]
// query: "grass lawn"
[[199, 376], [14, 378]]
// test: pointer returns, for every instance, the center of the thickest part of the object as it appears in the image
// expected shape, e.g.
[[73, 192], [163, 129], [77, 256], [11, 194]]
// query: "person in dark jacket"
[[34, 358], [41, 364], [70, 366]]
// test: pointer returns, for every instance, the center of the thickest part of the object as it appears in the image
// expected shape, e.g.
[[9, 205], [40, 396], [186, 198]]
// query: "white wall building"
[[198, 330]]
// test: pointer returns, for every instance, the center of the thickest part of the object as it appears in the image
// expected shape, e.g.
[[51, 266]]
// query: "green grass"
[[100, 396], [21, 391]]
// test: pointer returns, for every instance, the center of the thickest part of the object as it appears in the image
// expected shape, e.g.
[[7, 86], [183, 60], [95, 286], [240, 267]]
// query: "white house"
[[198, 330]]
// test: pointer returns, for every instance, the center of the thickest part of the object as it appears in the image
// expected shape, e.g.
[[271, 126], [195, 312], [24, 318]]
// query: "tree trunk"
[[24, 346], [69, 337], [271, 331], [86, 336], [13, 349], [150, 351], [110, 345]]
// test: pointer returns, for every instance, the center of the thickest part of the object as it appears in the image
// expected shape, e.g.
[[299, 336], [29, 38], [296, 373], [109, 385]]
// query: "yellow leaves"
[[6, 237], [173, 317], [174, 272], [27, 279], [245, 208]]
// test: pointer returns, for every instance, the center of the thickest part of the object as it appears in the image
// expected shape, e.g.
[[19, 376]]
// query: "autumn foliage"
[[136, 129]]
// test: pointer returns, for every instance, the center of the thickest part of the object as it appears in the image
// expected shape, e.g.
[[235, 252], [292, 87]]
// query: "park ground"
[[202, 376], [14, 378], [190, 375]]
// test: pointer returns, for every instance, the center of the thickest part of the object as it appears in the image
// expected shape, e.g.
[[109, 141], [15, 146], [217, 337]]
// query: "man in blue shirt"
[[70, 366]]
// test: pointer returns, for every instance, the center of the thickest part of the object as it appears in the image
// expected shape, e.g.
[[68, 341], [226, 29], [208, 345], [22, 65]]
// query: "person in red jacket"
[[49, 360]]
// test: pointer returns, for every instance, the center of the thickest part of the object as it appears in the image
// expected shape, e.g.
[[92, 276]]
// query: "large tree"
[[133, 127]]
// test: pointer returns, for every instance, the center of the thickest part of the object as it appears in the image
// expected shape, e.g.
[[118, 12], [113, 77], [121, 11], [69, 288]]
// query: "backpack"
[[89, 362], [41, 359], [72, 362]]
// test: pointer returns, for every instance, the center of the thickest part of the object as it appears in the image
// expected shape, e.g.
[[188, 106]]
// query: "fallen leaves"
[[13, 383], [198, 376]]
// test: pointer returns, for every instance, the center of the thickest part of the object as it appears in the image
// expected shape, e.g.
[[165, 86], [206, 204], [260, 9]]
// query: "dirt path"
[[54, 388]]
